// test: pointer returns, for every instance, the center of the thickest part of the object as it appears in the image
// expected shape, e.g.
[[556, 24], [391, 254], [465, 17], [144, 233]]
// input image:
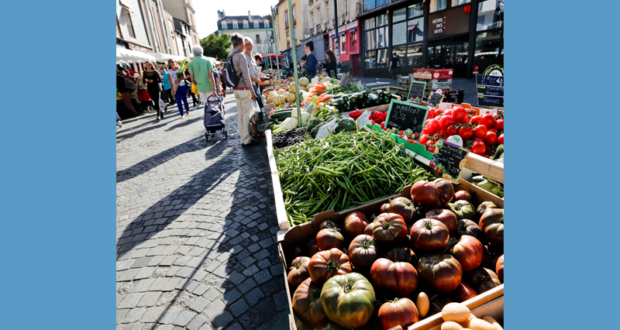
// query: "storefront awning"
[[132, 56]]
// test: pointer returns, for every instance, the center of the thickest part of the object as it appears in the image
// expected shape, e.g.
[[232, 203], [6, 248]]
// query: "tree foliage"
[[216, 46]]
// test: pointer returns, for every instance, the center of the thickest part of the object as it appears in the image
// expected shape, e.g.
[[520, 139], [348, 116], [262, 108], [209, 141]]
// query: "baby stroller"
[[214, 117]]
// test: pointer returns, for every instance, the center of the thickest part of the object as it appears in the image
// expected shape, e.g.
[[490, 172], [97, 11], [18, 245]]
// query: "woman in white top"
[[178, 88]]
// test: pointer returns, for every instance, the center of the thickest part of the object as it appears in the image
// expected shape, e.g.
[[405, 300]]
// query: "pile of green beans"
[[343, 171]]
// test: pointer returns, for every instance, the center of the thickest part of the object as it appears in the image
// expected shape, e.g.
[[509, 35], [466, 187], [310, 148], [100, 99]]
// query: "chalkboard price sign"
[[435, 99], [403, 116], [416, 91], [491, 101], [449, 159]]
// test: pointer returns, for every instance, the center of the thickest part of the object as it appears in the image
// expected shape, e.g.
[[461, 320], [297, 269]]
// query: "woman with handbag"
[[152, 79], [179, 89]]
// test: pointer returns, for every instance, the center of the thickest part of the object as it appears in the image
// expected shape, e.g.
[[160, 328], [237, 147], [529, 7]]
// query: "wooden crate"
[[490, 303]]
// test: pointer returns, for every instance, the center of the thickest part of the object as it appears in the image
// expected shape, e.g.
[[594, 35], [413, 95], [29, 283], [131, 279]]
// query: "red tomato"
[[466, 132], [401, 132], [446, 121], [448, 113], [500, 139], [438, 112], [425, 130], [459, 115], [493, 130], [476, 120], [443, 132], [433, 126], [499, 124], [478, 148], [490, 138], [488, 120], [431, 114], [451, 130], [480, 131]]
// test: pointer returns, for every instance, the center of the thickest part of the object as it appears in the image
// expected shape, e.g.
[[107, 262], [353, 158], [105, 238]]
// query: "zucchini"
[[373, 99], [353, 99], [380, 93], [347, 107], [363, 104], [365, 94], [345, 98], [337, 101]]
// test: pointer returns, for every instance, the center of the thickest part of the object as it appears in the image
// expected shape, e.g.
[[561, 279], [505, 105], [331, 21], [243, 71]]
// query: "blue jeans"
[[181, 95]]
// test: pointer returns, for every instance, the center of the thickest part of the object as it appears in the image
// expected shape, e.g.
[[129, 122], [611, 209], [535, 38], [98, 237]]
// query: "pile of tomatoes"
[[480, 134], [382, 270]]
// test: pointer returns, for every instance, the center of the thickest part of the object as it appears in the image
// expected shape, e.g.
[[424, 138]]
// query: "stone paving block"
[[184, 318], [124, 264], [120, 314], [206, 327], [212, 294], [214, 308], [168, 260], [196, 323], [239, 308], [222, 320], [261, 254], [130, 301], [262, 276], [149, 299], [127, 275], [199, 304], [200, 289], [254, 296], [145, 272], [276, 270], [172, 284], [170, 315], [134, 315], [155, 260], [280, 300], [265, 263], [159, 284]]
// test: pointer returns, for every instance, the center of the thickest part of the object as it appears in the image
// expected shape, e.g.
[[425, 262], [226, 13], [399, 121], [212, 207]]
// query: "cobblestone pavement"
[[196, 227]]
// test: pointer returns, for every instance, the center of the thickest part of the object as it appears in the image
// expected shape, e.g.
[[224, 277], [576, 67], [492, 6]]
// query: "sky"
[[206, 11]]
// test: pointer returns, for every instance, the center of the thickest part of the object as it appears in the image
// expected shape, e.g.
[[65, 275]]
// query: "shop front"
[[349, 47], [462, 35]]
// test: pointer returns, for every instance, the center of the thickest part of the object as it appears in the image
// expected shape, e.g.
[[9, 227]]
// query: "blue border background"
[[58, 160], [58, 190], [561, 182]]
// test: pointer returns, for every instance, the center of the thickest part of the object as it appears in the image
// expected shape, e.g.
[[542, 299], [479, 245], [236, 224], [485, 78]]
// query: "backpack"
[[229, 75], [129, 84]]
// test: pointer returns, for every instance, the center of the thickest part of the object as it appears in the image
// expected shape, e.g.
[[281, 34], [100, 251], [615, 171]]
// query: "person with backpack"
[[236, 74], [311, 62]]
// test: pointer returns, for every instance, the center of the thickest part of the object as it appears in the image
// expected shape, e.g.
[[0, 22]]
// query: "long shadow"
[[134, 133], [153, 161], [236, 230], [186, 122]]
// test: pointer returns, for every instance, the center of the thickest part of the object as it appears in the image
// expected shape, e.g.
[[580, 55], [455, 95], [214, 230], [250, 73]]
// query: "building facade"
[[463, 35], [184, 24], [258, 28], [284, 28]]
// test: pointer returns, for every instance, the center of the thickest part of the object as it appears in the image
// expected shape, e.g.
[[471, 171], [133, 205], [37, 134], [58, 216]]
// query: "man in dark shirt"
[[394, 67], [310, 64], [125, 87]]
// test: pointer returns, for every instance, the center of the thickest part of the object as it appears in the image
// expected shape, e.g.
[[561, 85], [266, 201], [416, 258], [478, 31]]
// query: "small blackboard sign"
[[490, 87], [491, 90], [490, 101], [416, 91], [449, 159], [435, 99], [489, 80], [405, 116]]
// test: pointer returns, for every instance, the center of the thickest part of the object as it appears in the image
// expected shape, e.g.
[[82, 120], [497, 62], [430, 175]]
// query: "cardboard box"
[[489, 303]]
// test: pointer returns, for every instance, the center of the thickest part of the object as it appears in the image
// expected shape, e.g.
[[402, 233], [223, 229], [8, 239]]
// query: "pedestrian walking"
[[152, 79], [143, 95], [179, 89], [310, 64], [254, 117], [201, 74], [244, 93], [166, 94], [393, 68]]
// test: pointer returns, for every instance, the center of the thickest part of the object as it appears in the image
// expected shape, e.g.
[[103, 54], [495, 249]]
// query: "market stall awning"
[[166, 57], [131, 56]]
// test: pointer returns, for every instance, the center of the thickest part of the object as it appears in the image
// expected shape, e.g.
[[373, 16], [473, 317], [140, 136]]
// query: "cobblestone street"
[[196, 227]]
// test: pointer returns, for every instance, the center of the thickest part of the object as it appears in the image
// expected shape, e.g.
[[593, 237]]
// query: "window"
[[294, 16], [414, 55], [246, 25], [415, 30], [415, 10], [369, 40], [370, 59], [256, 25], [286, 19], [401, 51], [312, 20], [235, 26], [399, 15], [128, 22], [224, 25], [369, 24], [354, 45], [459, 2], [155, 35], [369, 5], [382, 20], [438, 5], [258, 38], [266, 23], [490, 15], [382, 58], [343, 44], [488, 46], [399, 33], [382, 38]]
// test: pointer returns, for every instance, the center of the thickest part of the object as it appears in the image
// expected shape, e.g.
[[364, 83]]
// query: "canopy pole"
[[275, 38], [293, 46]]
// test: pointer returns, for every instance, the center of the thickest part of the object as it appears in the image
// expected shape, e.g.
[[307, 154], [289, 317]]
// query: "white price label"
[[363, 120]]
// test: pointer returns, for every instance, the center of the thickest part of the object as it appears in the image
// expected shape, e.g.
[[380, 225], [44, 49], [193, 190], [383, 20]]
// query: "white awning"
[[166, 57], [131, 56]]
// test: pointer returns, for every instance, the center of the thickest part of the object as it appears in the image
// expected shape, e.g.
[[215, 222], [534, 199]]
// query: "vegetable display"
[[342, 171], [431, 270]]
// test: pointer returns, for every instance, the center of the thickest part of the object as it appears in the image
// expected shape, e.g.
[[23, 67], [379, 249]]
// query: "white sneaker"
[[119, 124], [158, 119], [183, 117]]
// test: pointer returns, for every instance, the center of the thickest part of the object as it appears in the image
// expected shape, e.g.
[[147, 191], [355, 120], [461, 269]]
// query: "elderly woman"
[[152, 79]]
